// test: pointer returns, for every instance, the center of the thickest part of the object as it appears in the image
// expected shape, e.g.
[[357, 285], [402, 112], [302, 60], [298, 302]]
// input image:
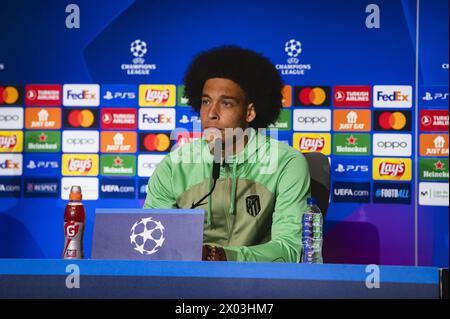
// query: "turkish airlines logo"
[[157, 95], [354, 96], [352, 120], [118, 118], [312, 95], [43, 95], [81, 118], [434, 120]]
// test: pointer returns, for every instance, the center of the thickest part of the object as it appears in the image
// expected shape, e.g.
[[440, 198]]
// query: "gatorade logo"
[[310, 142], [9, 95], [71, 229], [312, 96], [80, 118], [157, 95]]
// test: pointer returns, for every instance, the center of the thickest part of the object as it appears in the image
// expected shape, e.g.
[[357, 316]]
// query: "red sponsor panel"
[[434, 120], [119, 118], [43, 95], [355, 96]]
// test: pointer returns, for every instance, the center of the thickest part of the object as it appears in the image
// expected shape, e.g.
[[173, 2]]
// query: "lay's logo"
[[392, 168], [11, 141], [312, 143], [157, 95], [80, 165]]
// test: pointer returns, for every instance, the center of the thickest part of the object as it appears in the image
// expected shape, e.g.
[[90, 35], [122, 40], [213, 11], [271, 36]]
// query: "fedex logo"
[[81, 95], [399, 96], [157, 119]]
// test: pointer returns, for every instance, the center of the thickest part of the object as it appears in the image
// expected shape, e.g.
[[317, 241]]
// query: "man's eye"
[[205, 102], [227, 103]]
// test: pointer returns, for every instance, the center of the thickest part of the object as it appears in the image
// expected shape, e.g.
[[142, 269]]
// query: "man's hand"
[[213, 253]]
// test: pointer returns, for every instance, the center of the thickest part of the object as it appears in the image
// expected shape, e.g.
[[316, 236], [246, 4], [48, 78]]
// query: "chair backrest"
[[319, 170]]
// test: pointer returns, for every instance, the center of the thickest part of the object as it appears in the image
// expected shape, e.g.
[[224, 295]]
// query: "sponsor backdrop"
[[100, 104]]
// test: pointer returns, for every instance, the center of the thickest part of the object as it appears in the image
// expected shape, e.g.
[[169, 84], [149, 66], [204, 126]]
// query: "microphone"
[[215, 170]]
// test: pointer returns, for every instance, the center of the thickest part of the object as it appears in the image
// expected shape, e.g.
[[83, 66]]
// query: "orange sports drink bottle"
[[74, 221]]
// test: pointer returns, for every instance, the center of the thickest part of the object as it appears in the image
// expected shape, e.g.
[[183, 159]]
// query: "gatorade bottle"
[[74, 220], [312, 233]]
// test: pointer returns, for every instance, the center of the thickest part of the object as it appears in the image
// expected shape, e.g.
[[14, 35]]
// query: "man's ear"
[[251, 113]]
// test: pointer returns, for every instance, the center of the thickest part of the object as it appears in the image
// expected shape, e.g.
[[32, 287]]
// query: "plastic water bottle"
[[312, 234], [74, 221]]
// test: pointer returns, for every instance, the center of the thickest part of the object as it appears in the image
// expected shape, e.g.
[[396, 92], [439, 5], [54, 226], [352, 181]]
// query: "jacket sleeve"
[[293, 188], [159, 189]]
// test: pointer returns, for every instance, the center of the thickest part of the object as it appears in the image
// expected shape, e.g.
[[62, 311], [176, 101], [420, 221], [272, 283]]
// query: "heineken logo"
[[434, 169], [351, 144], [118, 165], [43, 141]]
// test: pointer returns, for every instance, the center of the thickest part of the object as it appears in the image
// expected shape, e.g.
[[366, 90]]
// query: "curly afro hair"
[[254, 73]]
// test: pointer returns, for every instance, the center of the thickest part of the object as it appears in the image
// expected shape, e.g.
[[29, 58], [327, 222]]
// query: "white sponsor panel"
[[433, 194], [89, 187], [81, 95], [157, 119], [312, 120], [392, 144], [80, 141], [147, 164], [11, 164], [399, 96], [11, 118]]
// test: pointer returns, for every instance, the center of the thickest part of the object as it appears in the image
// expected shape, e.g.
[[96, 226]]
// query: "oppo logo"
[[392, 144], [9, 118], [312, 119], [80, 141], [149, 165]]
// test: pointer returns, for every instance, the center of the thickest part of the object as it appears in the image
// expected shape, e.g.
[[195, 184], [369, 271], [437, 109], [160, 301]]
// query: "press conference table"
[[46, 278]]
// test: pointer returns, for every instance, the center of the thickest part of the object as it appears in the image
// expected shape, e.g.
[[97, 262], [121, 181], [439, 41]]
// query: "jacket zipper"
[[226, 198]]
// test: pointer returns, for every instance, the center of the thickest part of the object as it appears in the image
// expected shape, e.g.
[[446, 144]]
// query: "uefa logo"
[[147, 236], [138, 49]]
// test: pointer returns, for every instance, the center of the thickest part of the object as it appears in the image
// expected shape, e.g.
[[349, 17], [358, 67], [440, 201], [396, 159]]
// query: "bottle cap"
[[311, 201], [75, 193]]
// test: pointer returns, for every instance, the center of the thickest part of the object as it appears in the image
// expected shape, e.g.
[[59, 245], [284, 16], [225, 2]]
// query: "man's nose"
[[213, 113]]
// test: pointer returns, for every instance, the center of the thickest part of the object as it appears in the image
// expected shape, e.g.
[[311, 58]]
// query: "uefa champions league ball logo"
[[147, 236], [293, 48], [138, 48]]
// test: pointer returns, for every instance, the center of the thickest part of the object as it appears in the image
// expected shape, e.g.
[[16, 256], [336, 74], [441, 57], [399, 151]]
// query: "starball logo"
[[293, 48], [138, 49]]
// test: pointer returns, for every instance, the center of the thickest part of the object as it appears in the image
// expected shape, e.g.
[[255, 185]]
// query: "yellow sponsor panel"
[[80, 164], [312, 142], [392, 169], [157, 95], [11, 141]]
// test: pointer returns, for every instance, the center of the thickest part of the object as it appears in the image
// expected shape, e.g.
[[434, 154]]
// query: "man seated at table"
[[252, 187]]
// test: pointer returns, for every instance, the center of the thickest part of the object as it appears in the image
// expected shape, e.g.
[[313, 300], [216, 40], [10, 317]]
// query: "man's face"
[[223, 105]]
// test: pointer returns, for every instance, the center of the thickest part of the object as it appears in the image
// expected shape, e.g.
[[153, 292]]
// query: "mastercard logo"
[[159, 142], [392, 121], [312, 96], [8, 95], [80, 118]]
